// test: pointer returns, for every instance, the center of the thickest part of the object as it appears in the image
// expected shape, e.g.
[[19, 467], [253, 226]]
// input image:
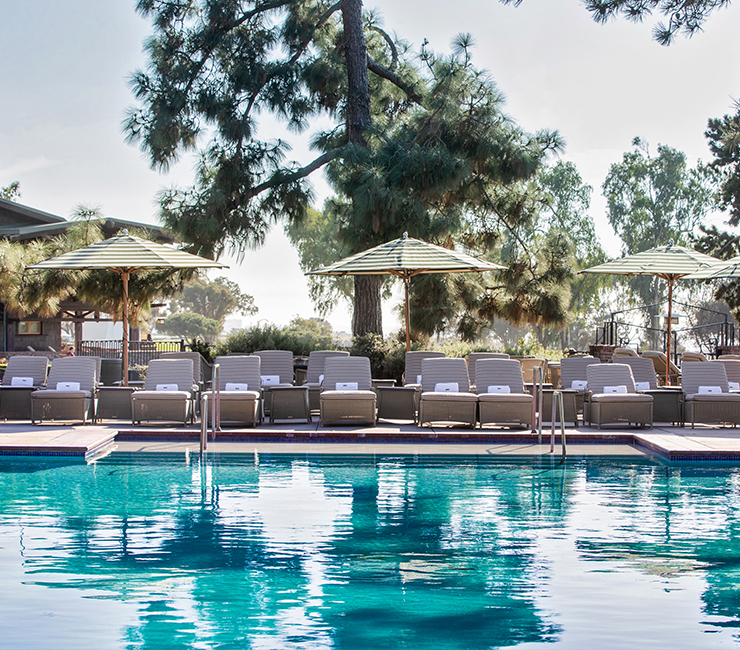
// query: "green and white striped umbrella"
[[126, 254], [406, 257], [720, 269], [668, 262]]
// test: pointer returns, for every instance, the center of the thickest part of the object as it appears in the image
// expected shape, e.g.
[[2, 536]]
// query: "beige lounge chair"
[[348, 396], [529, 364], [473, 358], [445, 393], [732, 368], [606, 407], [275, 365], [659, 360], [315, 373], [667, 402], [168, 392], [239, 391], [692, 356], [412, 367], [572, 370], [69, 392], [708, 407], [624, 352], [23, 375], [512, 407]]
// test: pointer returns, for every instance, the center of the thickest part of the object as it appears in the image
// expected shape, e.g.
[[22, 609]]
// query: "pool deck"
[[672, 444]]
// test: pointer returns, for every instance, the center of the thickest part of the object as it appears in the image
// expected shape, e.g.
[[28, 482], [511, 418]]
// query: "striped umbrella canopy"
[[126, 254], [720, 269], [406, 257], [669, 262]]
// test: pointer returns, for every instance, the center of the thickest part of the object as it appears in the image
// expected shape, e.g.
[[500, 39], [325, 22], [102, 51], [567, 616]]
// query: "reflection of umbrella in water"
[[668, 262], [406, 257], [126, 254]]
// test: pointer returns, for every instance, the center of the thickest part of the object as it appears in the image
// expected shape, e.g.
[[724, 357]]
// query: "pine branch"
[[281, 177], [391, 76]]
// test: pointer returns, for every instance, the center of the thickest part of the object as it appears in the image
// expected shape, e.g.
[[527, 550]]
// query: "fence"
[[139, 352]]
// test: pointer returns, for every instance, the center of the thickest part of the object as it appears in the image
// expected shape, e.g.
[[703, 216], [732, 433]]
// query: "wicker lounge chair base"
[[505, 409], [15, 402], [114, 403], [721, 408], [348, 407], [290, 403], [570, 406], [60, 405], [235, 408], [620, 408], [448, 408], [397, 403], [170, 406]]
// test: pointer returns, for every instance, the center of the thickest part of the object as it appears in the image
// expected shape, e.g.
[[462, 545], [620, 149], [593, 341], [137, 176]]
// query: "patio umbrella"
[[126, 254], [720, 269], [406, 257], [668, 262]]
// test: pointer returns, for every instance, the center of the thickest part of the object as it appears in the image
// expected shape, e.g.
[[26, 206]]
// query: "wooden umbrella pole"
[[406, 281], [124, 276], [668, 344]]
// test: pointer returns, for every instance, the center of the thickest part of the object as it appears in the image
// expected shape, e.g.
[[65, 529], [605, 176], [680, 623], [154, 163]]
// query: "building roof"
[[23, 223]]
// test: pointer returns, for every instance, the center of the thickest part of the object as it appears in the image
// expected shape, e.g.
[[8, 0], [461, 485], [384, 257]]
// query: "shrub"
[[271, 337]]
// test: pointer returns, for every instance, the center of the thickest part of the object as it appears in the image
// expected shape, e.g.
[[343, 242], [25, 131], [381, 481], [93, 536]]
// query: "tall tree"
[[214, 65], [653, 200], [12, 192], [411, 149], [213, 299]]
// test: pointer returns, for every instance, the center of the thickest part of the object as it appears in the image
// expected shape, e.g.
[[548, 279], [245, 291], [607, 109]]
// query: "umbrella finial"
[[124, 231], [405, 235]]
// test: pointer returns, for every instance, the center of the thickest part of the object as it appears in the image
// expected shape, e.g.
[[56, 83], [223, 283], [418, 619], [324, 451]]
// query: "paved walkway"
[[707, 444]]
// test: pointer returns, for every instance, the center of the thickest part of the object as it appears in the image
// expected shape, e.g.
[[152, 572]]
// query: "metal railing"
[[140, 352]]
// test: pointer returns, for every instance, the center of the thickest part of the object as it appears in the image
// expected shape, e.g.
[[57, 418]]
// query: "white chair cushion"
[[615, 389], [499, 389], [236, 386], [642, 385], [161, 387], [22, 381], [347, 385], [579, 384], [709, 389], [446, 387], [68, 385], [270, 380]]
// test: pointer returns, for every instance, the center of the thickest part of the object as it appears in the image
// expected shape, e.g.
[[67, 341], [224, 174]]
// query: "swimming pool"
[[362, 552]]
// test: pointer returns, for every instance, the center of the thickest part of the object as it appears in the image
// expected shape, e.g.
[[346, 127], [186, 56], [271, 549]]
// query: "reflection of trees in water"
[[674, 520], [361, 552]]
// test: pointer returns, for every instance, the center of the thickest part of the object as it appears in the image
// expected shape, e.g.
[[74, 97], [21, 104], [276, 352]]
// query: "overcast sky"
[[65, 64]]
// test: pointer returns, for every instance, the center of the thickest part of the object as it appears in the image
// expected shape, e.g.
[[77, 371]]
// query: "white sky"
[[64, 66]]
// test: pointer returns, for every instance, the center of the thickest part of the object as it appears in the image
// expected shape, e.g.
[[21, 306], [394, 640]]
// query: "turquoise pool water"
[[362, 552]]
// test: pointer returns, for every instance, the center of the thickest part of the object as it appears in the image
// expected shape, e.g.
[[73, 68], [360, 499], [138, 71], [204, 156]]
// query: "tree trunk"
[[358, 86], [368, 316]]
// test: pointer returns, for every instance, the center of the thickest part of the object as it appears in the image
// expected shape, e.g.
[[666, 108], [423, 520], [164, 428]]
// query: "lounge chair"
[[660, 360], [573, 377], [612, 397], [473, 358], [69, 392], [240, 390], [445, 393], [667, 405], [501, 395], [348, 396], [706, 395], [168, 392], [624, 352], [315, 373], [529, 364], [23, 375], [202, 370], [732, 368], [692, 356]]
